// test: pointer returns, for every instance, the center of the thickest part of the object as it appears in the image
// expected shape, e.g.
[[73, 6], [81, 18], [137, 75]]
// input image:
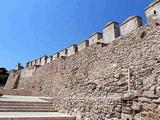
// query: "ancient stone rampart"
[[82, 82], [111, 31], [110, 76]]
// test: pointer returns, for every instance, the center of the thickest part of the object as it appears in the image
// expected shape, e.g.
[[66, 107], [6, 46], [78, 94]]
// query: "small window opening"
[[154, 12]]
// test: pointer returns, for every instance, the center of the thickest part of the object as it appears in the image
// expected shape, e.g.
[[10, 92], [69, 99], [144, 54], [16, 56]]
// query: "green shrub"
[[3, 76]]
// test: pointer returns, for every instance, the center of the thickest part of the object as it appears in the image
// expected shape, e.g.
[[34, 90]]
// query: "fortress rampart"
[[114, 75], [111, 31]]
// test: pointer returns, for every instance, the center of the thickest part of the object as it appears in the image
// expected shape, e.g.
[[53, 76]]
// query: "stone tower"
[[153, 11]]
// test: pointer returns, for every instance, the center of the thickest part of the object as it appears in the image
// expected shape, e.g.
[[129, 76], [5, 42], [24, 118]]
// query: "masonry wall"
[[130, 24], [153, 11], [111, 31], [92, 82]]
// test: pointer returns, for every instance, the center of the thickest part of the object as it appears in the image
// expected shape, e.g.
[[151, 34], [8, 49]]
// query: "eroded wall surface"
[[93, 83]]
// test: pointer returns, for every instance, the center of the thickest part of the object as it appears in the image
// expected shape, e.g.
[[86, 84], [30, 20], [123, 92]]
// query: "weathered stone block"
[[149, 107], [149, 82], [83, 45], [127, 97], [157, 101], [49, 59], [72, 50], [111, 31], [63, 53], [26, 73], [44, 60], [149, 94], [55, 56], [158, 80], [95, 37], [144, 99], [118, 115], [126, 110], [29, 64], [33, 63], [158, 90], [131, 24], [113, 119], [126, 116], [153, 11], [136, 106], [140, 116], [38, 61]]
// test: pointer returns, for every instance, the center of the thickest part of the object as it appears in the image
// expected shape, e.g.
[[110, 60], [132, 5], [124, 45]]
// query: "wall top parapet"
[[110, 32], [62, 50], [83, 41], [109, 23], [152, 4], [130, 18], [42, 57], [72, 45], [95, 33]]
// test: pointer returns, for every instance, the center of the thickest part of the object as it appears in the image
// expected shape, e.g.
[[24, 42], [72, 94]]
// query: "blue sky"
[[30, 29]]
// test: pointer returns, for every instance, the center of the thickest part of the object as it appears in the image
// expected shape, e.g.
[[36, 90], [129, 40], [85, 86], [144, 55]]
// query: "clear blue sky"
[[30, 29]]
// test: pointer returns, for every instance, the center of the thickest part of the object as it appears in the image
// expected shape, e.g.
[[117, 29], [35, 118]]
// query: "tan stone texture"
[[82, 83]]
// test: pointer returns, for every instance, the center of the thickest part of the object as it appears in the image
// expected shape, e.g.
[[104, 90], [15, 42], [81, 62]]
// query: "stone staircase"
[[26, 107], [29, 108]]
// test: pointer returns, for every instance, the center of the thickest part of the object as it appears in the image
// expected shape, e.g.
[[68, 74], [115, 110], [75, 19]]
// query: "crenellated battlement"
[[130, 24], [83, 45], [153, 11], [110, 32], [95, 37]]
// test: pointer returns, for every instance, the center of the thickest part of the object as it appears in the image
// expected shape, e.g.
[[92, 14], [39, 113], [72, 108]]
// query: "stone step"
[[34, 99], [10, 103], [35, 116], [26, 107], [26, 110], [29, 108], [44, 118]]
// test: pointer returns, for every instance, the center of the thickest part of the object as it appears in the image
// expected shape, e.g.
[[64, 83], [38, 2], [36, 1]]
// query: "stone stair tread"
[[10, 98], [26, 107], [24, 101], [35, 116], [24, 104], [40, 118], [26, 110], [29, 108]]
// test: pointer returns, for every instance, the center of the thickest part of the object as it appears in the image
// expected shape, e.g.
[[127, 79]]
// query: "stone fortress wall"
[[111, 31], [114, 75]]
